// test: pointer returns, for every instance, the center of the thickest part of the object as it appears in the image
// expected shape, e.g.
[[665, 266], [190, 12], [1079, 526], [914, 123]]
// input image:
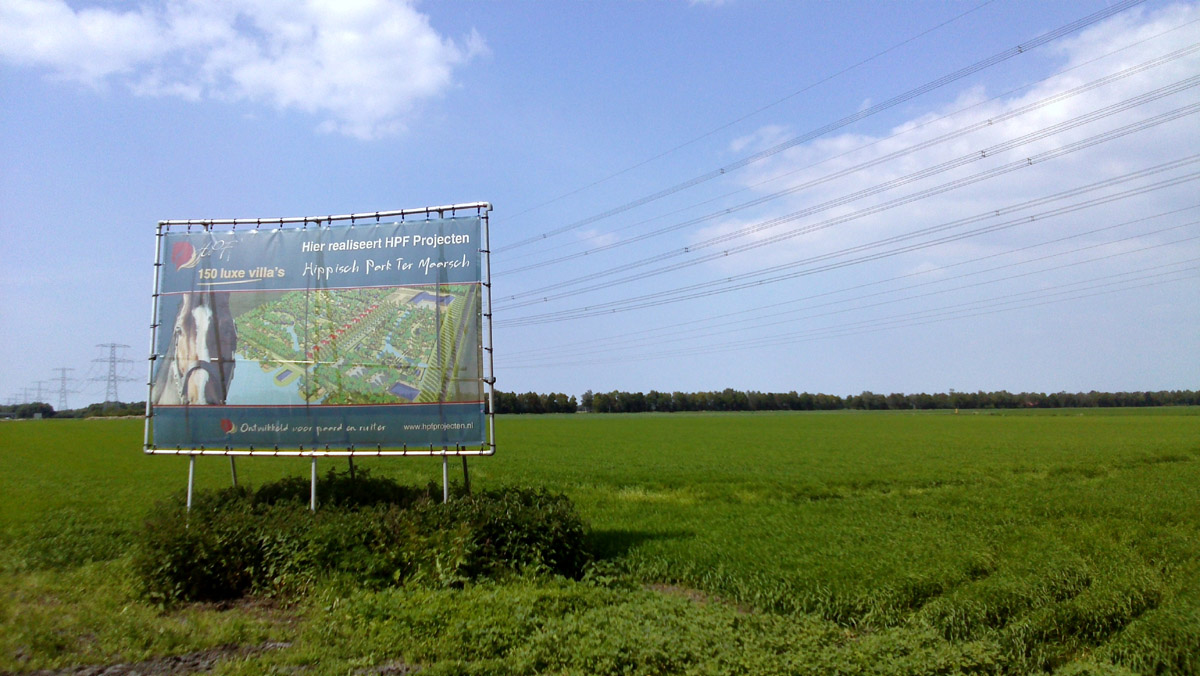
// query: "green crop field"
[[1063, 541]]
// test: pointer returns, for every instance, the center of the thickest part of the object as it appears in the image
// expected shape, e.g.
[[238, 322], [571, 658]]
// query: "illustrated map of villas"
[[416, 344]]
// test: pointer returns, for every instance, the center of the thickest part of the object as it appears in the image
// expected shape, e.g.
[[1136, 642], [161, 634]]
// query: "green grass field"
[[1062, 541]]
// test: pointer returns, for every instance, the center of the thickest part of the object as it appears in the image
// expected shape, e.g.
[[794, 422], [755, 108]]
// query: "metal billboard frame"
[[488, 448]]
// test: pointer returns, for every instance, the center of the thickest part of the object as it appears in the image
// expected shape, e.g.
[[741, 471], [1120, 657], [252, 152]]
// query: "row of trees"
[[532, 402], [1003, 399], [737, 400], [41, 409]]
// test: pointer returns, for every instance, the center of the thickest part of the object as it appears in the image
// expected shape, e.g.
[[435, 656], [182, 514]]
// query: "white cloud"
[[594, 237], [763, 137], [86, 45], [812, 163], [362, 65]]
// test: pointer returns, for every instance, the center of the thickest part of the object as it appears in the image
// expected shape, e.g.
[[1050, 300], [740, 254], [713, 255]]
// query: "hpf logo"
[[184, 255], [227, 426]]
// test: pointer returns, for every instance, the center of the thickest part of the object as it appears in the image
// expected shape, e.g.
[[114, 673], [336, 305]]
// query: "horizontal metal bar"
[[322, 453], [485, 206]]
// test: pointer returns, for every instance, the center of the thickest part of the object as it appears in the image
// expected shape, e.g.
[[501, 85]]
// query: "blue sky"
[[114, 115]]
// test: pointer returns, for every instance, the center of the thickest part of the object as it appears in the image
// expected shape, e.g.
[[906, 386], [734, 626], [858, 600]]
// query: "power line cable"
[[956, 312], [1031, 304], [696, 290], [912, 197], [907, 130], [762, 324], [1004, 299], [893, 252], [849, 119], [914, 247], [923, 145], [635, 339], [969, 158], [674, 327], [752, 113], [903, 320]]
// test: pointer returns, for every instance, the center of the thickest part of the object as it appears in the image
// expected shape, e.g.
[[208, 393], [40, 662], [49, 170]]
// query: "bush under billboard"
[[336, 335]]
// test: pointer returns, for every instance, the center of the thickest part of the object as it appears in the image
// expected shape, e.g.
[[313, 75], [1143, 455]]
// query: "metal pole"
[[297, 453], [490, 347], [445, 479], [325, 219], [233, 470], [158, 239], [191, 479], [466, 476], [312, 503], [351, 459]]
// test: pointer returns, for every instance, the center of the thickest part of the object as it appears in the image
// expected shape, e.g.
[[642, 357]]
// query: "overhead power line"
[[785, 270], [752, 113], [932, 85], [923, 145], [920, 317], [855, 261], [738, 328], [697, 324], [746, 280], [906, 130], [704, 326], [980, 306], [963, 160], [1029, 161]]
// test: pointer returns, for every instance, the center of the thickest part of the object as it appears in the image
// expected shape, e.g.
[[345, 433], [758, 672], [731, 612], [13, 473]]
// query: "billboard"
[[337, 336]]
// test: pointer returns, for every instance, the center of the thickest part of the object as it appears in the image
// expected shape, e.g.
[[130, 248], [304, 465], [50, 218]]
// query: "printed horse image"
[[198, 366]]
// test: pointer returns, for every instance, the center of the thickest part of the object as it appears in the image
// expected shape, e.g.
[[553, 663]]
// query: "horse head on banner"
[[199, 363]]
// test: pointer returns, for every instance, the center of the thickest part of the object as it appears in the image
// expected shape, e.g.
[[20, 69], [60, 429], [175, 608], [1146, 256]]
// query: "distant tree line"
[[44, 410], [737, 400], [532, 402], [730, 399], [1004, 399]]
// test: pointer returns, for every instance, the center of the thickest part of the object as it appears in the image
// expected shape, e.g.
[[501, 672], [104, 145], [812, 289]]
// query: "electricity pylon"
[[110, 393]]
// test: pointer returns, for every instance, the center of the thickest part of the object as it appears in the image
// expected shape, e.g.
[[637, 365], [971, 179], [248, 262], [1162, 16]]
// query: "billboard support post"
[[445, 479], [312, 498], [233, 470], [191, 480], [466, 477]]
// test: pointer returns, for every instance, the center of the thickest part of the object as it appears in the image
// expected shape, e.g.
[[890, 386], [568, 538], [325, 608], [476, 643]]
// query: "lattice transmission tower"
[[62, 387], [112, 379]]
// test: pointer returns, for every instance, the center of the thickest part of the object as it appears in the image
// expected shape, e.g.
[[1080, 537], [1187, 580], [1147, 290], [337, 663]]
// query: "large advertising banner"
[[339, 337]]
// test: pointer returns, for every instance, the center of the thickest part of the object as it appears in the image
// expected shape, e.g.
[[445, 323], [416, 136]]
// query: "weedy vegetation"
[[1063, 542], [371, 533]]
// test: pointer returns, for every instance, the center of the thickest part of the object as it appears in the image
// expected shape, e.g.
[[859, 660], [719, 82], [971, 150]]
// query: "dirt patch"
[[698, 597], [191, 663], [393, 668]]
